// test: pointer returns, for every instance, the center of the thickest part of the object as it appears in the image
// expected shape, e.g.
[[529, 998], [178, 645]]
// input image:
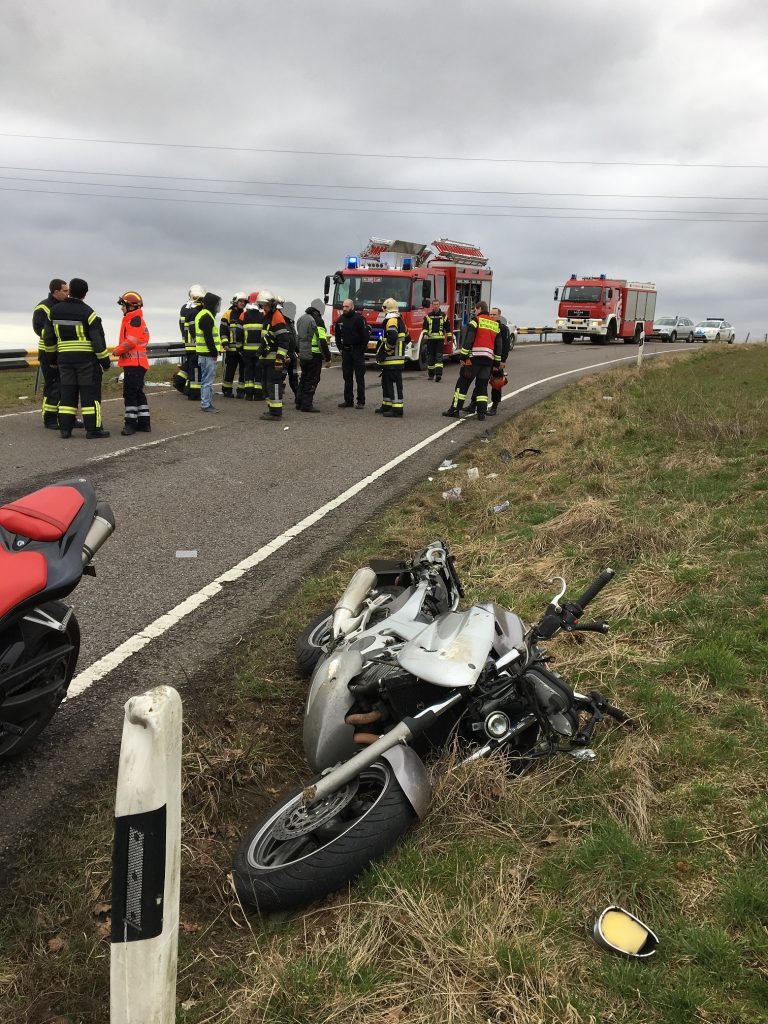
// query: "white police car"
[[714, 328]]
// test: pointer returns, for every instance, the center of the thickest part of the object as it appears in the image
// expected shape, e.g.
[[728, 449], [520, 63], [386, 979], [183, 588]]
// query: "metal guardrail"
[[22, 359], [541, 331]]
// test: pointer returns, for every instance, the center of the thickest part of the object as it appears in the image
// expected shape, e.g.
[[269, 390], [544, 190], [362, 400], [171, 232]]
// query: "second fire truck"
[[605, 309]]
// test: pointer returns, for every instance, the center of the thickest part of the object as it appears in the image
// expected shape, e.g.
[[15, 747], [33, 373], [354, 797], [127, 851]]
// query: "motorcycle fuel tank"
[[327, 737], [452, 650]]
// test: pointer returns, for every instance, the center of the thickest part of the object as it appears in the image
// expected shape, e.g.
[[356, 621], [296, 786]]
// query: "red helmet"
[[132, 299], [253, 297]]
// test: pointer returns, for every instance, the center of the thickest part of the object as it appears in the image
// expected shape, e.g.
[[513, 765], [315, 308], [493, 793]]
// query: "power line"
[[380, 188], [409, 213], [381, 156], [344, 199]]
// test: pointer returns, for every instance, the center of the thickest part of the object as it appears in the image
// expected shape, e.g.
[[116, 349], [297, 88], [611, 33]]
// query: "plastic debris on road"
[[446, 464], [502, 507], [473, 473], [187, 554], [453, 495]]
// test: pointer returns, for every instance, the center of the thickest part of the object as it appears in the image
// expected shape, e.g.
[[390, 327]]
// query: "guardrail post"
[[146, 861], [640, 347]]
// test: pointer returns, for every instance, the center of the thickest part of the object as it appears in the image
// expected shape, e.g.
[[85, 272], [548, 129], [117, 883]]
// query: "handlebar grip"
[[616, 713], [594, 588]]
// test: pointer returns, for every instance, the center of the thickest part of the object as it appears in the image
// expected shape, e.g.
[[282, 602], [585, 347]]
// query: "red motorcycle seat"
[[21, 575], [42, 515]]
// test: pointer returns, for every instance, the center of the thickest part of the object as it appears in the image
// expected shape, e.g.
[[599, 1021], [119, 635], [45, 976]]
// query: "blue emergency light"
[[351, 262], [408, 263]]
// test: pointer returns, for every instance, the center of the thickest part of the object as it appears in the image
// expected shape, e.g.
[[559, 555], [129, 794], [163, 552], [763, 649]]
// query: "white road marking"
[[150, 444], [37, 411], [101, 668]]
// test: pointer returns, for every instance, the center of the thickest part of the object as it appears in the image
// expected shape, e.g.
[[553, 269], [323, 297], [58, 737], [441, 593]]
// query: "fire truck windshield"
[[581, 293], [368, 291]]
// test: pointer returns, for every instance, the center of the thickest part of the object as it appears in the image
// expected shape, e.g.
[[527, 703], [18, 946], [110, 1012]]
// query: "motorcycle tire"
[[312, 640], [276, 873], [39, 640]]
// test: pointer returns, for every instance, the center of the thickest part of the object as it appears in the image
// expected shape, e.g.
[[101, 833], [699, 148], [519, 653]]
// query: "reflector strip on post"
[[145, 862]]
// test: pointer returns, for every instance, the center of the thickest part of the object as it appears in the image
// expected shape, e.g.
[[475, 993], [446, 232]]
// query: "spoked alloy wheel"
[[297, 853], [54, 678]]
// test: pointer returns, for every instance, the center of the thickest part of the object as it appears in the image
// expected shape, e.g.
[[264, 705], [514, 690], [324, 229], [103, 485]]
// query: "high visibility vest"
[[201, 346], [392, 352], [436, 325], [319, 336], [484, 341], [131, 349]]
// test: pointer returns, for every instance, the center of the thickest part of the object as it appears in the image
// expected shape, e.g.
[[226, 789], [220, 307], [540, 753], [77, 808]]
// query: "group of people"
[[73, 354], [262, 345]]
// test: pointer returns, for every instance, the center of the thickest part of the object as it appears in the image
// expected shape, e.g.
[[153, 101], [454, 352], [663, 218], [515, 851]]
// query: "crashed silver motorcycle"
[[399, 671]]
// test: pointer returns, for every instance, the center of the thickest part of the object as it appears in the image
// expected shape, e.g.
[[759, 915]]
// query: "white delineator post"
[[146, 861], [640, 347]]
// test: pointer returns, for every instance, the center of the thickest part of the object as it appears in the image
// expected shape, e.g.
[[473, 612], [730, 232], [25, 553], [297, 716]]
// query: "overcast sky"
[[527, 89]]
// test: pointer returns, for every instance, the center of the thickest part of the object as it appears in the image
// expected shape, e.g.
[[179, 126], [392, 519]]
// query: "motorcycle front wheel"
[[30, 704], [296, 854]]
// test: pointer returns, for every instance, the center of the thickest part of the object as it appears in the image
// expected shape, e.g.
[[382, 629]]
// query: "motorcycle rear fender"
[[327, 737], [412, 777]]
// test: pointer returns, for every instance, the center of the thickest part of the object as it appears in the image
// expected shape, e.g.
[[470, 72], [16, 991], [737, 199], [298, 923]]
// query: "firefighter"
[[480, 352], [80, 352], [435, 333], [230, 332], [131, 351], [390, 356], [498, 376], [276, 342], [207, 347], [288, 309], [252, 325], [58, 290], [196, 295], [313, 351]]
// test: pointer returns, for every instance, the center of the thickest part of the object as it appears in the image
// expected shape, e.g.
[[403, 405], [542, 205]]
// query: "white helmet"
[[390, 306], [196, 291], [267, 296], [240, 297]]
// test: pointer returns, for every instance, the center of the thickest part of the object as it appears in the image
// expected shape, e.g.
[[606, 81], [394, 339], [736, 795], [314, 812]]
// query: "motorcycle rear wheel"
[[272, 872], [38, 641]]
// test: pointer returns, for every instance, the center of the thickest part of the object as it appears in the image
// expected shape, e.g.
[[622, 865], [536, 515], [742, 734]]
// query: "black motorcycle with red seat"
[[47, 541]]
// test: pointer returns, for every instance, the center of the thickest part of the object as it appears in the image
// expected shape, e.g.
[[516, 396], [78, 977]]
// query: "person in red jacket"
[[132, 357]]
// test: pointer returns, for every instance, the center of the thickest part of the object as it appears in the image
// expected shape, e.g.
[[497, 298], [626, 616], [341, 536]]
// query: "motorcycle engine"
[[555, 698]]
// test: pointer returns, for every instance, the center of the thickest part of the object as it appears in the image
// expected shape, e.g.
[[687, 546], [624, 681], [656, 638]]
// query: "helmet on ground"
[[130, 299], [390, 306], [196, 291]]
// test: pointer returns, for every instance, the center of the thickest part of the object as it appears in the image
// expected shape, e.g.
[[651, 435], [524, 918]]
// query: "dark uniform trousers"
[[51, 394], [274, 386], [233, 363], [136, 406], [480, 372], [194, 379], [253, 376], [310, 378], [392, 388], [435, 357], [353, 369], [83, 378]]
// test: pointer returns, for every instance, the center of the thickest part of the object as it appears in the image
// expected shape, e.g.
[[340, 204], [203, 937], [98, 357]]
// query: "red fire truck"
[[605, 309], [413, 273]]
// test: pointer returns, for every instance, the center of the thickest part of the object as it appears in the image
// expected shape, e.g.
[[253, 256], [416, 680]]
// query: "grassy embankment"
[[17, 387], [483, 913]]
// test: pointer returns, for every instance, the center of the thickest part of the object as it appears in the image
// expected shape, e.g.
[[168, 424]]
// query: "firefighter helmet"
[[196, 292], [130, 299], [253, 298], [267, 297], [390, 306], [240, 297]]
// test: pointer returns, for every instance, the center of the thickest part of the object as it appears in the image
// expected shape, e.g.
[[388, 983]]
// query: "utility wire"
[[380, 156], [380, 188], [344, 199], [409, 213]]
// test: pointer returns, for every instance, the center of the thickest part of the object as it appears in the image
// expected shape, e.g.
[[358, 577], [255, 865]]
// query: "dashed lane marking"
[[151, 444]]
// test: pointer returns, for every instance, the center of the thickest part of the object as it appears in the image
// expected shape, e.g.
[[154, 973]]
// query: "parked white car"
[[714, 328]]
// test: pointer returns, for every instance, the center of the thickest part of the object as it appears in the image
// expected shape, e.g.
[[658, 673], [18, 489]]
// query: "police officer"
[[230, 332], [207, 347], [131, 351], [351, 333], [390, 356], [435, 333], [276, 341], [58, 290], [80, 351], [252, 325], [313, 351], [480, 351]]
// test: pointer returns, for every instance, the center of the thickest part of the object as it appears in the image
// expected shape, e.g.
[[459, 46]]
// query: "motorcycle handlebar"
[[594, 588]]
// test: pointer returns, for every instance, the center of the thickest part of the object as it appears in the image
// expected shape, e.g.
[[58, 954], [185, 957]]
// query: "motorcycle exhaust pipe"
[[102, 527], [350, 604]]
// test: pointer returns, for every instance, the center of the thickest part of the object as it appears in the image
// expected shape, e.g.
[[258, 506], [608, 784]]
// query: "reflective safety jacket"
[[76, 334], [436, 325], [230, 330], [277, 337], [252, 327], [187, 323], [313, 338], [131, 349], [40, 317], [206, 333], [391, 349], [482, 339]]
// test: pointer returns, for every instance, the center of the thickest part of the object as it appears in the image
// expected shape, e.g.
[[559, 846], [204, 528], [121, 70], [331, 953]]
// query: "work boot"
[[438, 378], [239, 393], [493, 409], [360, 405], [51, 426], [381, 409], [393, 414], [345, 405], [78, 425], [310, 409], [143, 427], [128, 430], [90, 434], [452, 413], [227, 394], [269, 416], [66, 434], [480, 417]]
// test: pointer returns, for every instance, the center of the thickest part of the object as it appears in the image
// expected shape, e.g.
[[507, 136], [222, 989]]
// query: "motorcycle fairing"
[[452, 650], [327, 737], [412, 777]]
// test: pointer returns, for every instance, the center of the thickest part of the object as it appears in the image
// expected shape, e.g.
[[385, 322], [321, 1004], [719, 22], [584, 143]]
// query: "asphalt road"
[[225, 486]]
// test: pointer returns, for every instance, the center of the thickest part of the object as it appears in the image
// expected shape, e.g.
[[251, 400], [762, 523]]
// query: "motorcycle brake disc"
[[302, 818]]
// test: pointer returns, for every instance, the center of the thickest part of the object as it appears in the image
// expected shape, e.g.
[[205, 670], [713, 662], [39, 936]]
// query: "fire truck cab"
[[605, 309], [413, 274]]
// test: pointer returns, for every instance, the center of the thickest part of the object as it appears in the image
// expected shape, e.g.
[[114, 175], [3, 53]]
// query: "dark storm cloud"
[[650, 82]]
